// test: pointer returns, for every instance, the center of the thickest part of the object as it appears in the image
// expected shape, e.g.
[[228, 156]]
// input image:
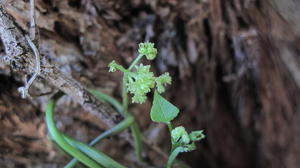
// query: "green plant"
[[138, 80], [163, 111]]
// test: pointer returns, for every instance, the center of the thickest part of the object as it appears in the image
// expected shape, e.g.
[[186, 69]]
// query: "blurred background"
[[235, 66]]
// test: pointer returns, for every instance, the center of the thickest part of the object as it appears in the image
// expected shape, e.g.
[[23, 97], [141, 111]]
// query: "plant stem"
[[99, 157], [124, 95], [170, 130], [117, 129], [136, 133], [170, 126], [102, 96], [59, 139], [137, 60], [173, 156]]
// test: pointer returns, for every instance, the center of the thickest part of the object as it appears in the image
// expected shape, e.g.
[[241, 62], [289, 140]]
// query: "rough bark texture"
[[235, 67]]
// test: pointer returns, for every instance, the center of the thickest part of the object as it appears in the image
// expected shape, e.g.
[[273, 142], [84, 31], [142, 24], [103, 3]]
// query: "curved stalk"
[[102, 96], [136, 61], [59, 139], [173, 156], [99, 157], [117, 129], [170, 130]]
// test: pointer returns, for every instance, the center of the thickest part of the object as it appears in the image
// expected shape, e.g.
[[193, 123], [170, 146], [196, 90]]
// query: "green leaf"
[[162, 110]]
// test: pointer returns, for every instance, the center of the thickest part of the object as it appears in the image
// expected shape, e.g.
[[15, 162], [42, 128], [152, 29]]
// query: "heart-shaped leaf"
[[162, 110]]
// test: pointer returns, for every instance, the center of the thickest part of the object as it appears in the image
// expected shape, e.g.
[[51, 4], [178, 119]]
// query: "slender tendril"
[[115, 103], [60, 140], [115, 130], [80, 151]]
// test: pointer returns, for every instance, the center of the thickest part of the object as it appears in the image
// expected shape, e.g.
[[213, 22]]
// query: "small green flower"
[[196, 135], [161, 81], [113, 66], [139, 98], [179, 135], [140, 83], [148, 50]]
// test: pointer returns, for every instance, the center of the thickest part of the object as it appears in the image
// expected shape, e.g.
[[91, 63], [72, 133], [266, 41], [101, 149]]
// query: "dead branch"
[[20, 58]]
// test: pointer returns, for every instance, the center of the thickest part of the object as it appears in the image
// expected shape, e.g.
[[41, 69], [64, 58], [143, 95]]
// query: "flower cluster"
[[179, 134], [147, 49], [141, 82], [162, 81], [180, 137]]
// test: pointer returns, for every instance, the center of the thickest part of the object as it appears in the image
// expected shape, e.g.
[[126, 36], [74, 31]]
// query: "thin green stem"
[[115, 130], [59, 139], [124, 95], [170, 127], [136, 61], [115, 103], [120, 68], [136, 133], [99, 157], [173, 156]]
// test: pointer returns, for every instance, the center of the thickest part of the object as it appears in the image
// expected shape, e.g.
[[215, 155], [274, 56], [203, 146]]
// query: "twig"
[[24, 90], [20, 58], [32, 28], [37, 70]]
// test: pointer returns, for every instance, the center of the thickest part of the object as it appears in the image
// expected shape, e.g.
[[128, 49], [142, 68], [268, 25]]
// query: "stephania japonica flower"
[[141, 80], [162, 81], [148, 50], [140, 83]]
